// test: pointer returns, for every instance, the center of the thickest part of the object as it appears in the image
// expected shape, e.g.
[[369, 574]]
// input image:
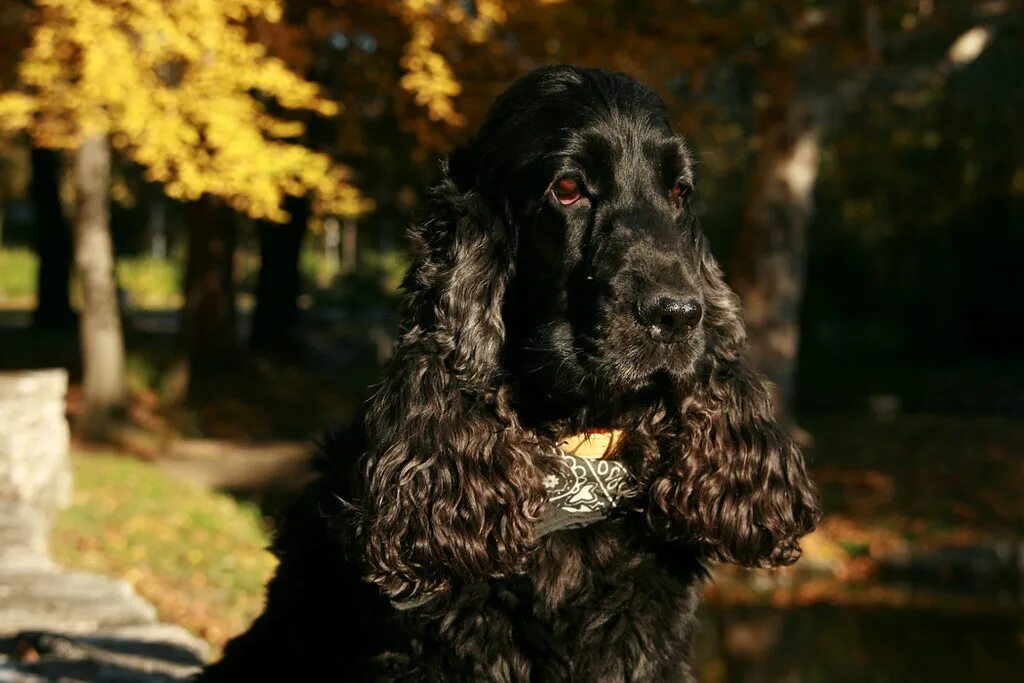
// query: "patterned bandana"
[[584, 492]]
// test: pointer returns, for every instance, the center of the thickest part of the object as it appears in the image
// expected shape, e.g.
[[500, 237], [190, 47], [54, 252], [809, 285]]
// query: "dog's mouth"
[[603, 376], [628, 354], [605, 349], [629, 328]]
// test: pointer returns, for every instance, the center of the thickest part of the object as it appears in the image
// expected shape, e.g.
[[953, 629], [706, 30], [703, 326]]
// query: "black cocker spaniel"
[[562, 287]]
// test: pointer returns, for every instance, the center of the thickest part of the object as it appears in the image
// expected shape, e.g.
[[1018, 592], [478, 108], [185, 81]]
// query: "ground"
[[198, 555]]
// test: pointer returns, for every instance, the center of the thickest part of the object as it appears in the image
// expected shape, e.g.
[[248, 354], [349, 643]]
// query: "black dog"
[[562, 286]]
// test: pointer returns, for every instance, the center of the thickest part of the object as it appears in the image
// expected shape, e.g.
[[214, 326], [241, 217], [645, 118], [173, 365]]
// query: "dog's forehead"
[[627, 143]]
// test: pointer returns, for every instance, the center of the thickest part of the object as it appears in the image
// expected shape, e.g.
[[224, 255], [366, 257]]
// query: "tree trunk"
[[276, 317], [208, 323], [52, 239], [103, 363], [349, 246], [769, 263]]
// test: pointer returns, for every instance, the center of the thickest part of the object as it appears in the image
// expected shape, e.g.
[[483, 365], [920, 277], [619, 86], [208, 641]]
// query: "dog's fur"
[[420, 561]]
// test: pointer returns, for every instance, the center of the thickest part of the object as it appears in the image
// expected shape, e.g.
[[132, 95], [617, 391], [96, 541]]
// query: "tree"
[[769, 261], [184, 93], [817, 61], [103, 366], [276, 317], [208, 326], [179, 88], [52, 240], [52, 236]]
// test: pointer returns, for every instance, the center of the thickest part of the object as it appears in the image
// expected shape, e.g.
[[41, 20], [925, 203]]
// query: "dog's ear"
[[450, 490], [729, 478]]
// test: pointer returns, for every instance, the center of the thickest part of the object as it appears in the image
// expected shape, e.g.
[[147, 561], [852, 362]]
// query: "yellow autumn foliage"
[[180, 89], [428, 75]]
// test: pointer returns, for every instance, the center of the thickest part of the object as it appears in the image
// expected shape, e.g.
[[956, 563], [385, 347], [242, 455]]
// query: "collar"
[[597, 443]]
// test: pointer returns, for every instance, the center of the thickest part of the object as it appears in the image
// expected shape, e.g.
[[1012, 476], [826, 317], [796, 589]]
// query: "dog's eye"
[[567, 191], [680, 192]]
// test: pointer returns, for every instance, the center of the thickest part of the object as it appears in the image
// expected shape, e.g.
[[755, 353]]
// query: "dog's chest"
[[593, 605]]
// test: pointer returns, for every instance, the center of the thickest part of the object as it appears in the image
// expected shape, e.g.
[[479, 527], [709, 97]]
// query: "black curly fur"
[[420, 561]]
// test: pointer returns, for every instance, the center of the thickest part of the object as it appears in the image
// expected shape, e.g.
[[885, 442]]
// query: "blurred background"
[[202, 215]]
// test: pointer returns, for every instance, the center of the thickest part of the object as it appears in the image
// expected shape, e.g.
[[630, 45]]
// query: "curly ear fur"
[[451, 485], [720, 472]]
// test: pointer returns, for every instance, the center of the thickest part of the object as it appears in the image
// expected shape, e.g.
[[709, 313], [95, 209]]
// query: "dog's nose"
[[671, 320]]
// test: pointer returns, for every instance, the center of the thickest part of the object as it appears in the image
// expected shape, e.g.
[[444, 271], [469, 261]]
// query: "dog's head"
[[562, 279], [609, 291]]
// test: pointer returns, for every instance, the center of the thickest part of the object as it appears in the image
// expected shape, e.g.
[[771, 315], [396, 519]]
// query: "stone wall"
[[35, 471]]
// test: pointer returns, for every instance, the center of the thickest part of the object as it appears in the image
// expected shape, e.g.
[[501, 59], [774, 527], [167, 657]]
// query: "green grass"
[[197, 555], [150, 282], [18, 268]]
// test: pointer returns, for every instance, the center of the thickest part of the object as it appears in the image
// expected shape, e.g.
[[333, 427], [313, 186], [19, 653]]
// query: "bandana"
[[588, 487]]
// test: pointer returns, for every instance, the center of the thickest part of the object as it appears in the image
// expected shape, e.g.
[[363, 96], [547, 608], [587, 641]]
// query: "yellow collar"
[[595, 444]]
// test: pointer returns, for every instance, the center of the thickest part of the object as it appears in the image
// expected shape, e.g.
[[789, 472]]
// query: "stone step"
[[71, 602], [15, 563]]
